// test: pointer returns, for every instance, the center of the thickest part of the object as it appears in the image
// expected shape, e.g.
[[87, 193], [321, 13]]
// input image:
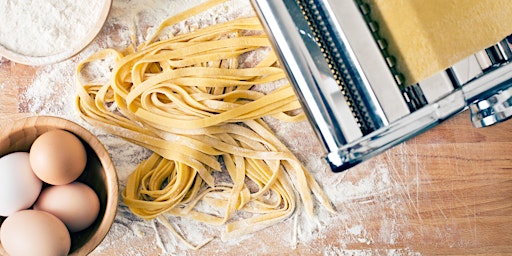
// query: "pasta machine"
[[351, 92]]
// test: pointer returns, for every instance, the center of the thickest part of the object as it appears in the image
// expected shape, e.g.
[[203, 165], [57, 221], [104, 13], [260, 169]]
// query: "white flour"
[[345, 233], [44, 28]]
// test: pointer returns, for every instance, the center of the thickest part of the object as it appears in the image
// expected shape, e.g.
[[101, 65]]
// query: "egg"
[[19, 186], [75, 204], [58, 157], [33, 232]]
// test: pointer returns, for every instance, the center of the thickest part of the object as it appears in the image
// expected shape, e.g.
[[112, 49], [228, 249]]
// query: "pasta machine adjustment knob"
[[492, 110]]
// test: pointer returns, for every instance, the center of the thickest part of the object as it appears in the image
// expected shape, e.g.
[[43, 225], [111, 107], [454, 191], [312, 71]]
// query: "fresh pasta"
[[189, 101]]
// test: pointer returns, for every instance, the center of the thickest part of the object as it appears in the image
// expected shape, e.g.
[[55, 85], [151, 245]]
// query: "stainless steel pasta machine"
[[350, 91]]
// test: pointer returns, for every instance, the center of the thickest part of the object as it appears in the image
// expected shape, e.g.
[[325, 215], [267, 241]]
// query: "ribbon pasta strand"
[[190, 100]]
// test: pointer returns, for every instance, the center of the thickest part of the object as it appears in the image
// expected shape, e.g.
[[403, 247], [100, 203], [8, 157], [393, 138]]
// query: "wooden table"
[[447, 191]]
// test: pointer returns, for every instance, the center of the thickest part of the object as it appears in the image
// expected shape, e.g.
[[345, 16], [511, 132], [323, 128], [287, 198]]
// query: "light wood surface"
[[447, 191]]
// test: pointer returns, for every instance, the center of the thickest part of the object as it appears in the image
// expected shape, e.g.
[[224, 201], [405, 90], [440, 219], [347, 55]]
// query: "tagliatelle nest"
[[189, 100]]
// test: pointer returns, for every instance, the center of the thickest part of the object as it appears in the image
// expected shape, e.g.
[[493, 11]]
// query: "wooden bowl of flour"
[[45, 32]]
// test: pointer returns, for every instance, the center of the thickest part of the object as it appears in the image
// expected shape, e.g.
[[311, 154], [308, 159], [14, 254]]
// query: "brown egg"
[[75, 204], [58, 157], [32, 232]]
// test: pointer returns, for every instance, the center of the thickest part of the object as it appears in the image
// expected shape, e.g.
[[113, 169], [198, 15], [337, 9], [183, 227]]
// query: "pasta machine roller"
[[351, 91]]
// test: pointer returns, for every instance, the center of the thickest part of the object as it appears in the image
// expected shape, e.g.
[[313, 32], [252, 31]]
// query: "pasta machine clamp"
[[492, 110]]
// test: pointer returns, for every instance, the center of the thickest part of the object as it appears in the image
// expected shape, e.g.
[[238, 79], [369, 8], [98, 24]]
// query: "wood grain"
[[446, 191]]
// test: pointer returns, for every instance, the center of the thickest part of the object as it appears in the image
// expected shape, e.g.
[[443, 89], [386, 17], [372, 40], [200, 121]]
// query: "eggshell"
[[32, 232], [19, 186], [58, 157], [75, 204]]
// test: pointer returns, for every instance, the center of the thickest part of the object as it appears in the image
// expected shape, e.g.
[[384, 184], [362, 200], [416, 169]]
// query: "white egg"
[[19, 186]]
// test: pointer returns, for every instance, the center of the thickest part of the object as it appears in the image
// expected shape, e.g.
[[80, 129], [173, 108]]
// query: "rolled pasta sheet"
[[428, 36]]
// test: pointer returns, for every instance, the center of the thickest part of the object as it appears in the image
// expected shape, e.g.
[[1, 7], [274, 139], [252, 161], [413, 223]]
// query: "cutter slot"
[[316, 18]]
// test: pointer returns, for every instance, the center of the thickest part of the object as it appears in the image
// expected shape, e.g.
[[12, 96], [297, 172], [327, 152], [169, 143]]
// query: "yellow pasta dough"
[[427, 36], [188, 100]]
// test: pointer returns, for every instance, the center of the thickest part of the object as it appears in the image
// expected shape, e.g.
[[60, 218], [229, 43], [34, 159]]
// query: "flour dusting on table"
[[53, 93]]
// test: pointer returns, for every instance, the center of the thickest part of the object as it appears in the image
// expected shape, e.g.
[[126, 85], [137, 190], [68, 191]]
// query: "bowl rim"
[[66, 54], [109, 169]]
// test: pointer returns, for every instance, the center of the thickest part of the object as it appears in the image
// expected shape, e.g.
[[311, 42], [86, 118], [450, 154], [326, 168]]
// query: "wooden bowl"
[[99, 174], [74, 49]]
